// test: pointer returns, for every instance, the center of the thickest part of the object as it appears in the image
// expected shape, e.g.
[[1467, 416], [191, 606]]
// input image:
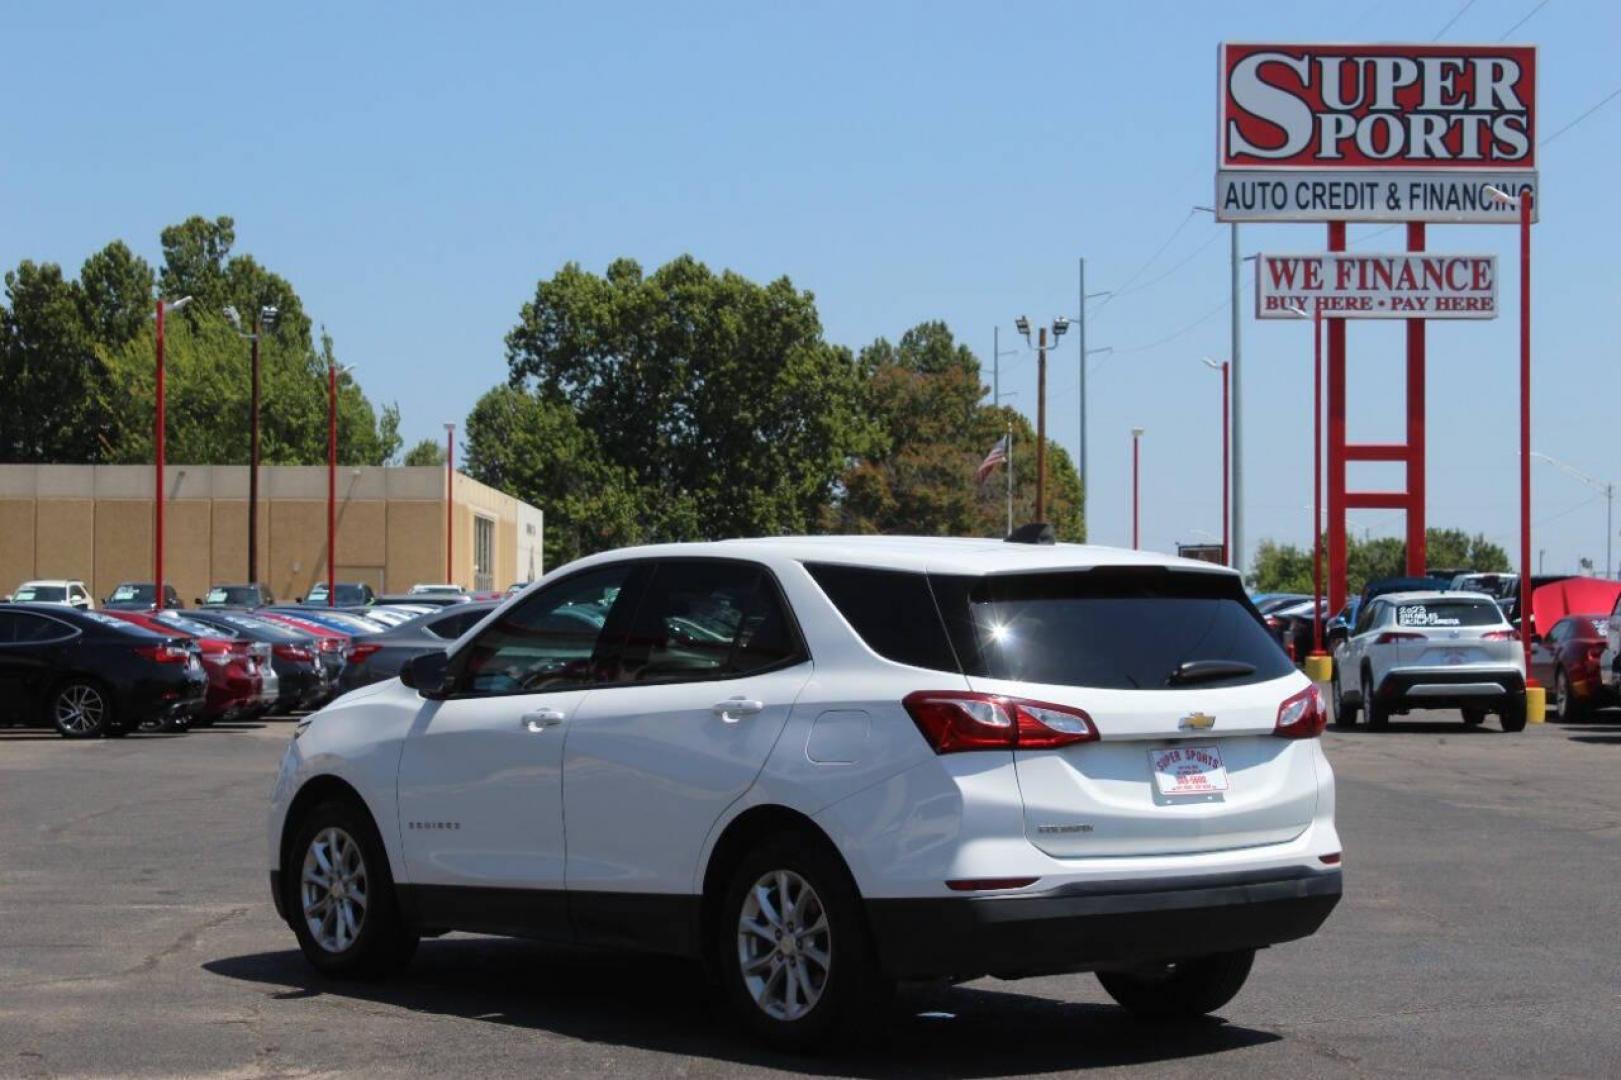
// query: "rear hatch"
[[1461, 632], [1161, 660]]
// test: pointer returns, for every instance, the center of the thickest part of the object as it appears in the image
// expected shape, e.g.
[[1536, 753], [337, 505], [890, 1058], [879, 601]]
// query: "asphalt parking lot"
[[1481, 931]]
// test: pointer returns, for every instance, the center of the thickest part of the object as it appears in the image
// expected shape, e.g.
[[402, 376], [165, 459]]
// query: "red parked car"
[[1566, 659], [240, 680]]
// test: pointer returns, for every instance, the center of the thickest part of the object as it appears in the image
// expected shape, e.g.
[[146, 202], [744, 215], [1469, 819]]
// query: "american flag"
[[996, 457]]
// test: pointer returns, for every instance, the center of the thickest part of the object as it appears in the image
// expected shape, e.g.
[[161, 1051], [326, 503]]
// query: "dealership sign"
[[1372, 286], [1375, 132]]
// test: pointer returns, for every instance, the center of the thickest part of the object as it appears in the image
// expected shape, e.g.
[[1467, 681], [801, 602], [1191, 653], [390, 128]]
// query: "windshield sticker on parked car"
[[1420, 615]]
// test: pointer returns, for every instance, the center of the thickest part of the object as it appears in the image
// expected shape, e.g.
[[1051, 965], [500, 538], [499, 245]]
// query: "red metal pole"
[[1526, 614], [331, 484], [1226, 468], [450, 506], [1317, 480], [1417, 556], [1136, 437], [1336, 444], [157, 442]]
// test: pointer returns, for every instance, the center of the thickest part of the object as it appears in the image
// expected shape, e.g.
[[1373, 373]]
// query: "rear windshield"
[[232, 596], [1112, 628], [1425, 613]]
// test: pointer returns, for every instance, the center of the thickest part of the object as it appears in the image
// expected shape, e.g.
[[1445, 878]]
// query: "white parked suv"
[[1430, 650], [56, 591], [829, 764]]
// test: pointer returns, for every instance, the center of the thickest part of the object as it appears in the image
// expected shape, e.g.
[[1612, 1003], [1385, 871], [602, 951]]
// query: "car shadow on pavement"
[[1398, 726], [1598, 740], [663, 1005]]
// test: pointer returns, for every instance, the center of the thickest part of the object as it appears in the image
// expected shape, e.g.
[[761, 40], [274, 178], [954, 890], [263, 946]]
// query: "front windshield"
[[41, 594]]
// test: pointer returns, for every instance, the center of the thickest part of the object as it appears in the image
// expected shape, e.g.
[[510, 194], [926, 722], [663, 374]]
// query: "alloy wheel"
[[80, 709], [784, 945], [333, 889]]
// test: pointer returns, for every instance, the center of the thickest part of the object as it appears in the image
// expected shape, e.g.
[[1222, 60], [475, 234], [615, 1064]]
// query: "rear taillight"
[[1500, 635], [1391, 636], [954, 720], [1302, 716], [292, 652], [331, 644], [163, 654], [362, 652]]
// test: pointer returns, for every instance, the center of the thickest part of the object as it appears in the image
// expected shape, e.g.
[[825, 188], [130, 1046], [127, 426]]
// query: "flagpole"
[[1010, 478]]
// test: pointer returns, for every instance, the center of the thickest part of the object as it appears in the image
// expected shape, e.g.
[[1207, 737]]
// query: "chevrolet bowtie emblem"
[[1197, 720]]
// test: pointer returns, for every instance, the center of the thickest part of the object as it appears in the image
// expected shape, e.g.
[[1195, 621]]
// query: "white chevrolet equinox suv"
[[825, 765]]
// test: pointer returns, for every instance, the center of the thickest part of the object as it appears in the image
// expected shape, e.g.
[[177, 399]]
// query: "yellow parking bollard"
[[1319, 667], [1536, 704]]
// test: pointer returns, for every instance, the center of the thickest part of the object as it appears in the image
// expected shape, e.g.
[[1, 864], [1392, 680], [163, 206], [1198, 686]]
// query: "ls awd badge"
[[1197, 721]]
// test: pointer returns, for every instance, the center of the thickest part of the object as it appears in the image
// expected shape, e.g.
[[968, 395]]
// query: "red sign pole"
[[331, 484], [1526, 614], [1317, 481], [1226, 468], [1336, 444], [1417, 555]]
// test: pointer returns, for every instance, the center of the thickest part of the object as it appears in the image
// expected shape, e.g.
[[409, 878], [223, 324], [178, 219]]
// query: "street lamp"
[[1136, 441], [1222, 367], [1060, 325], [1603, 488], [333, 370], [450, 505], [997, 352], [1238, 389], [263, 319], [159, 425]]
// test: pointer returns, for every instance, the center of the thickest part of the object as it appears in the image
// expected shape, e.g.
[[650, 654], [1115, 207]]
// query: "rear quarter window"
[[892, 611]]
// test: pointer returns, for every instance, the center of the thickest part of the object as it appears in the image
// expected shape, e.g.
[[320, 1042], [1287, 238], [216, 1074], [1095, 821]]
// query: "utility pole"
[[1080, 439], [1009, 472], [1041, 424]]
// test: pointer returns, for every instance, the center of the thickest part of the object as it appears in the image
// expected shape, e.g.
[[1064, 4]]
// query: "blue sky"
[[414, 169]]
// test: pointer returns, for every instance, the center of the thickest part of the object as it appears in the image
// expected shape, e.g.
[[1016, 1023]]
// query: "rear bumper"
[[1441, 688], [1099, 926]]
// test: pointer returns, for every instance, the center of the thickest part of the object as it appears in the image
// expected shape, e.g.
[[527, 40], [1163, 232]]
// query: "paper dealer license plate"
[[1188, 770]]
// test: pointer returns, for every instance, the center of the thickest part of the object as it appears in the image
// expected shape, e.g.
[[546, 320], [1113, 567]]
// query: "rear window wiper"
[[1194, 671]]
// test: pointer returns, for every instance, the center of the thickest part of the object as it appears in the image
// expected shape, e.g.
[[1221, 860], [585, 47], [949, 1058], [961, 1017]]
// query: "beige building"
[[95, 523]]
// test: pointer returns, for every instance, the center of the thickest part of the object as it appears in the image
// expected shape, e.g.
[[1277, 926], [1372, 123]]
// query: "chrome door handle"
[[540, 720], [734, 709]]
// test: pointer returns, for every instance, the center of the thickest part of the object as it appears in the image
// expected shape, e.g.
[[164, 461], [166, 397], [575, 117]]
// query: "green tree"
[[1280, 568], [427, 452], [918, 476], [1286, 568], [717, 397], [538, 450], [49, 373], [116, 294]]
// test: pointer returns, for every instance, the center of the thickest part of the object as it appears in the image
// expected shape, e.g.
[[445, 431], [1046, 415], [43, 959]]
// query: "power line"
[[1605, 100], [1467, 4], [1157, 253], [1523, 20], [1151, 282]]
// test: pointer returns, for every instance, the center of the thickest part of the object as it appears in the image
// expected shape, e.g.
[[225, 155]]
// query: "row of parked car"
[[238, 655], [1453, 641]]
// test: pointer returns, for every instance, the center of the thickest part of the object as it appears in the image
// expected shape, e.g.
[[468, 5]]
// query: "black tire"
[[1378, 715], [1474, 717], [81, 709], [1344, 714], [853, 993], [1512, 716], [1181, 990], [1565, 706], [383, 943]]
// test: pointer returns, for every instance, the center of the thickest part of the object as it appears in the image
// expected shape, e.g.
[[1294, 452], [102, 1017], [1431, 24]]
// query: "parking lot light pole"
[[264, 317], [159, 425], [1136, 472], [1226, 450], [332, 371], [1238, 384]]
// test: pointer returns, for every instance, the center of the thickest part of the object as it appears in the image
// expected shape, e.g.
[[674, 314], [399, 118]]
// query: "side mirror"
[[428, 674]]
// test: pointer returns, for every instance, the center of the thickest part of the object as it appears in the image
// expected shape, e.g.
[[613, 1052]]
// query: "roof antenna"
[[1036, 532]]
